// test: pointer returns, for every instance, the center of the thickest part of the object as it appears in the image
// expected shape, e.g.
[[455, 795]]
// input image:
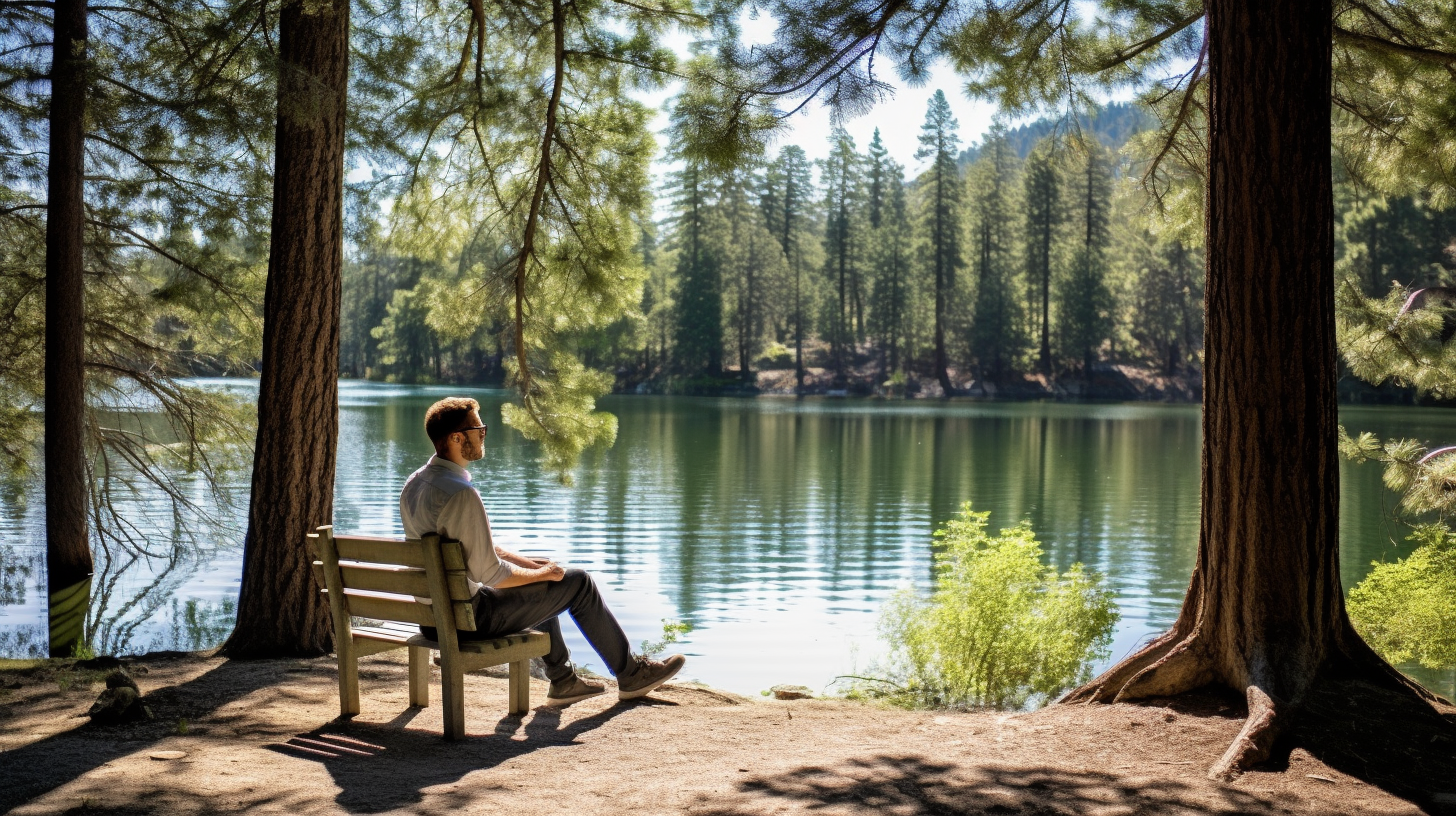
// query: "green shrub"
[[672, 631], [1407, 610], [1000, 629]]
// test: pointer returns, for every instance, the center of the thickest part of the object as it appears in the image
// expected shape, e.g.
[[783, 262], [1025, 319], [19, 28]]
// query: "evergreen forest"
[[1008, 267]]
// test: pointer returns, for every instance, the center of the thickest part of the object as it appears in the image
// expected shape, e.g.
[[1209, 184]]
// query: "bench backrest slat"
[[393, 578], [379, 606], [395, 551]]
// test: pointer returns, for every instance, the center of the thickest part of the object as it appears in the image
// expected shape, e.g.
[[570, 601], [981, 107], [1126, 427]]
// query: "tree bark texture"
[[280, 611], [1264, 613], [68, 547]]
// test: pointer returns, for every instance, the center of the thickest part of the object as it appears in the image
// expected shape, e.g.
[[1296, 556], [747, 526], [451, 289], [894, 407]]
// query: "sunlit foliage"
[[1404, 608], [509, 146], [999, 630]]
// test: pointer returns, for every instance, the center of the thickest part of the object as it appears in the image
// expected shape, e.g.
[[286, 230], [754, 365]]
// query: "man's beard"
[[472, 452]]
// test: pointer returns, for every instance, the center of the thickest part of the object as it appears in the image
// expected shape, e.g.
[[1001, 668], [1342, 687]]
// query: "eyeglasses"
[[481, 428]]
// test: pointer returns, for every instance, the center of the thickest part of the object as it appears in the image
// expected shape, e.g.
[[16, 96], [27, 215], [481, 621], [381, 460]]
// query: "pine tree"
[[996, 337], [941, 220], [1042, 193], [752, 263], [892, 255], [841, 176], [1086, 305], [514, 128], [786, 201], [68, 548], [280, 611], [133, 142], [878, 166], [698, 322], [1167, 308], [1381, 240]]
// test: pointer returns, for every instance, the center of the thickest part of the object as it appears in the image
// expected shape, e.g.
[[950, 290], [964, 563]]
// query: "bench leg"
[[452, 694], [419, 677], [520, 688], [348, 676]]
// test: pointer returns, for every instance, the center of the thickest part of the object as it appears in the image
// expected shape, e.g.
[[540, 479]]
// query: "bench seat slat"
[[370, 640], [479, 654]]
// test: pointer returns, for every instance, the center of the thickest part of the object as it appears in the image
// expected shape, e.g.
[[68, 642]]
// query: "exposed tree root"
[[1181, 670], [1255, 742], [1178, 662], [1108, 685]]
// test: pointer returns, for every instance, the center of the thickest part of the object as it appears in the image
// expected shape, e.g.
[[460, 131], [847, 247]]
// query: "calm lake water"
[[776, 527]]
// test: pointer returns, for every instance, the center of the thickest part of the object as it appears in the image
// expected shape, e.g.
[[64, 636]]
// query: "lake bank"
[[1106, 383], [251, 730]]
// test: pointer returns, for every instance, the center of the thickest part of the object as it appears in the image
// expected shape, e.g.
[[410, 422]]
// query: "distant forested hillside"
[[1113, 125]]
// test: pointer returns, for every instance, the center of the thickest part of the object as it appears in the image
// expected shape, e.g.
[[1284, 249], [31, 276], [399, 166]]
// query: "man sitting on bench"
[[513, 592]]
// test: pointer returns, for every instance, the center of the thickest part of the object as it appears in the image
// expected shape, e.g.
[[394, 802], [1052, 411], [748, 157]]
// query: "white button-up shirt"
[[439, 498]]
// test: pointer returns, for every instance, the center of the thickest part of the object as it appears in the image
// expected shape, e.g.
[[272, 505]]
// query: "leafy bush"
[[1404, 610], [1000, 629]]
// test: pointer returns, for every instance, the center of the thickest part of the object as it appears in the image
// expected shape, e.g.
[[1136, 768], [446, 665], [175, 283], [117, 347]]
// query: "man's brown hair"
[[446, 417]]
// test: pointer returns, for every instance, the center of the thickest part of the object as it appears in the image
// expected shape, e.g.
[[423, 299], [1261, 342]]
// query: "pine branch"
[[1383, 45]]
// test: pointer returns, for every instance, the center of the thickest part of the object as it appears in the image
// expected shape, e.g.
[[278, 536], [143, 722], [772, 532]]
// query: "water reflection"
[[775, 527]]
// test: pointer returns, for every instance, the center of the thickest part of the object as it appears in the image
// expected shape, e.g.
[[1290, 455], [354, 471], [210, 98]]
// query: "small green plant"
[[672, 630], [83, 651], [182, 726], [1403, 609], [1000, 629]]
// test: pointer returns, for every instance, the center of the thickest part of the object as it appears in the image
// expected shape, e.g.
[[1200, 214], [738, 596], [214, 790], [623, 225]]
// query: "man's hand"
[[520, 576]]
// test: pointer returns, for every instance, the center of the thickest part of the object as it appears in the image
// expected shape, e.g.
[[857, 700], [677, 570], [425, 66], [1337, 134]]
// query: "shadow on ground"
[[1396, 742], [910, 786], [433, 761], [47, 764]]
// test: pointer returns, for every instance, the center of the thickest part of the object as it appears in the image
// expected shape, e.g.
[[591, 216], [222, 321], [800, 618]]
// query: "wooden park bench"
[[378, 579]]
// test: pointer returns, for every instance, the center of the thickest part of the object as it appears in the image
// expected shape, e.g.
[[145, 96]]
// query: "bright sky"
[[899, 117]]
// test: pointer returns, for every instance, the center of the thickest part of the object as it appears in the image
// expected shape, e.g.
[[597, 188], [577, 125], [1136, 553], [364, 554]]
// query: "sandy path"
[[689, 750]]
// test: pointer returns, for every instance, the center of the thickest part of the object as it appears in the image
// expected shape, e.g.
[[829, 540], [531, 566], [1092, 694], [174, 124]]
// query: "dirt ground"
[[262, 737]]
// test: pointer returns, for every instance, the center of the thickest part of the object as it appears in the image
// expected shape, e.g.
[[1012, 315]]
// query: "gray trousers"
[[500, 612]]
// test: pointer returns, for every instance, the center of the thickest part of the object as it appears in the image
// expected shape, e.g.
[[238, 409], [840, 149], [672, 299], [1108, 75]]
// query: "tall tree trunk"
[[1264, 613], [68, 547], [1045, 262], [941, 363], [279, 608], [791, 255], [745, 368], [841, 333]]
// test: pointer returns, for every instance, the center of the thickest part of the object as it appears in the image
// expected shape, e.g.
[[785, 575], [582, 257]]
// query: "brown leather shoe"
[[573, 689], [646, 675]]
